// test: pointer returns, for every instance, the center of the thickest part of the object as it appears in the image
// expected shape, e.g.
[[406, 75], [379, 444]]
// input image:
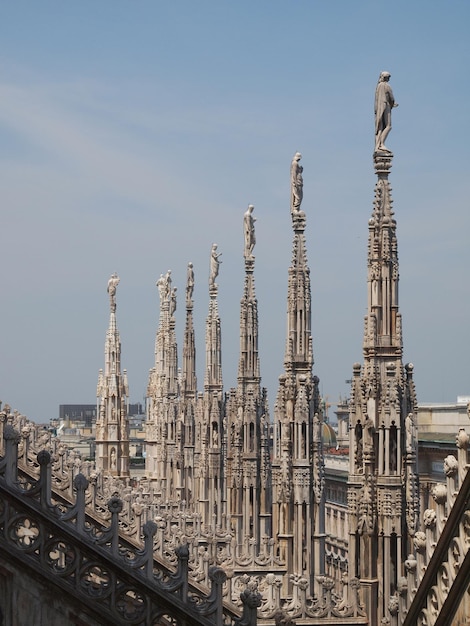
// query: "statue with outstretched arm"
[[384, 103], [214, 266]]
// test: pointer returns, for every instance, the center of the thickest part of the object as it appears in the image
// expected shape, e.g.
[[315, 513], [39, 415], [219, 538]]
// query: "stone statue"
[[173, 302], [297, 182], [113, 458], [316, 429], [410, 432], [161, 285], [384, 103], [113, 282], [168, 284], [214, 268], [189, 283], [249, 231]]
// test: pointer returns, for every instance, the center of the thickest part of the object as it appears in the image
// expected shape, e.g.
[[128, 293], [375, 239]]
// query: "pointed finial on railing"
[[44, 460], [251, 600], [9, 464]]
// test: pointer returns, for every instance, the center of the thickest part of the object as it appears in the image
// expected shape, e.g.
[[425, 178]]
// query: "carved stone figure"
[[214, 266], [161, 285], [451, 465], [168, 284], [384, 103], [359, 448], [113, 458], [316, 429], [410, 432], [173, 301], [297, 182], [189, 283], [249, 231], [113, 282]]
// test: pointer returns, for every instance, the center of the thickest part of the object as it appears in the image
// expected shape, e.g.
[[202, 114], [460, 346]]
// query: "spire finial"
[[189, 285], [164, 287], [113, 282], [296, 183], [384, 103], [249, 232], [214, 268]]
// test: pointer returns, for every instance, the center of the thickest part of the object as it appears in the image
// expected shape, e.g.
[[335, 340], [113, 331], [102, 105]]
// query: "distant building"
[[84, 415]]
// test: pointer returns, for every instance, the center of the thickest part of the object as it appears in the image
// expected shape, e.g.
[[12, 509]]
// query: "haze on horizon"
[[134, 135]]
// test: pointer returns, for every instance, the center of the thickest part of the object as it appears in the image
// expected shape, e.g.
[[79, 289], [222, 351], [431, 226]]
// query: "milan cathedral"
[[234, 501], [261, 488]]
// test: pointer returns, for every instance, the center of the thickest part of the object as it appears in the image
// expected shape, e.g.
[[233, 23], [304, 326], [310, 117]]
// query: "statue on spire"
[[214, 267], [161, 286], [173, 302], [384, 103], [189, 283], [296, 183], [113, 282], [249, 231]]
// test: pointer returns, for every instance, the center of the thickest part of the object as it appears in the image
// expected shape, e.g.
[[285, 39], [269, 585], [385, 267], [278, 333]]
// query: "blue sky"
[[133, 135]]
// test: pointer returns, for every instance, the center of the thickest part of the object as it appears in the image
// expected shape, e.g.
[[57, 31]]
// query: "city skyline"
[[133, 138]]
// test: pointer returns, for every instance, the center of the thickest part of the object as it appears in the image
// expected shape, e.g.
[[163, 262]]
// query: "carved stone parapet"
[[62, 552]]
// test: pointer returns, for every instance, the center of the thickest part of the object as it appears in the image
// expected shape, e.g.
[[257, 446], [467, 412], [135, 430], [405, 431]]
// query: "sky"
[[134, 134]]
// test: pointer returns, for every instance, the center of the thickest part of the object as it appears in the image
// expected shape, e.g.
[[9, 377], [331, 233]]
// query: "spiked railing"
[[109, 574], [106, 513]]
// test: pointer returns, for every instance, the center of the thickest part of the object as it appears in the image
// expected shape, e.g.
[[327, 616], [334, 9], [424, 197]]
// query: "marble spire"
[[383, 490], [298, 465], [248, 455], [210, 432], [162, 397], [188, 402], [112, 427]]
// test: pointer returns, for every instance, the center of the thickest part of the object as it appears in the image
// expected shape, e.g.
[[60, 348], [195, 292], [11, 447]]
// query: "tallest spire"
[[299, 354], [383, 330], [382, 488]]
